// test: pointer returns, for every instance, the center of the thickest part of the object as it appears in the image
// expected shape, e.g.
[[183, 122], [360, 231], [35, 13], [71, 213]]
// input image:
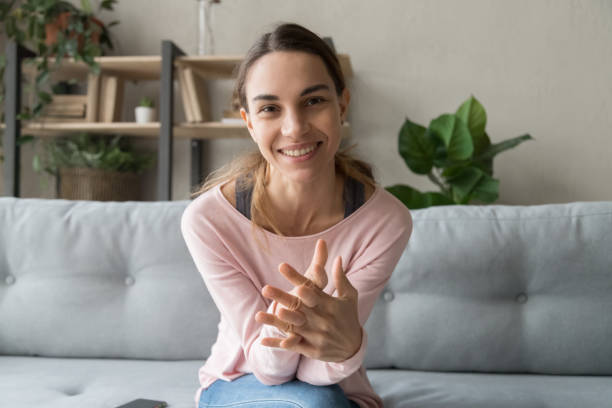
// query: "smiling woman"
[[291, 56], [285, 321]]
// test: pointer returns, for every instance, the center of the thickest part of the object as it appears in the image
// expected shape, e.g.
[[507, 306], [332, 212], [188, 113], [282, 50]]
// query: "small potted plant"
[[145, 111], [93, 167]]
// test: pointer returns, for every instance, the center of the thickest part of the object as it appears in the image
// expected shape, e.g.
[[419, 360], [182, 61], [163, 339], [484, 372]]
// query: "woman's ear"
[[247, 119], [344, 100]]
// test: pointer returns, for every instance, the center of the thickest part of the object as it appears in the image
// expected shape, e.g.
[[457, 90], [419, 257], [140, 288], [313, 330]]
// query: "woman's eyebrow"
[[314, 88], [310, 89]]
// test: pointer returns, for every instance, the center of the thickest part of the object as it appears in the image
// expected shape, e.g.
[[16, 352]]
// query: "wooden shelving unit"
[[164, 68]]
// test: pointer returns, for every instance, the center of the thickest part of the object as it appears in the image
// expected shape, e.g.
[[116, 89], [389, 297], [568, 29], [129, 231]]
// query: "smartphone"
[[144, 403]]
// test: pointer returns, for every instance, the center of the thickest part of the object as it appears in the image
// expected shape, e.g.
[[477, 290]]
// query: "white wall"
[[542, 67]]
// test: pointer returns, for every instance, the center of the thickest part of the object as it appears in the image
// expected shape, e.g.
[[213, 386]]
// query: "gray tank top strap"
[[243, 198], [354, 197]]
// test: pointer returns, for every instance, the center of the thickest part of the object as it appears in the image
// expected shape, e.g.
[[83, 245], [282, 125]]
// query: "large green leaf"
[[475, 117], [463, 182], [497, 148], [472, 183], [415, 147], [484, 165], [455, 136], [480, 146], [414, 199], [487, 190]]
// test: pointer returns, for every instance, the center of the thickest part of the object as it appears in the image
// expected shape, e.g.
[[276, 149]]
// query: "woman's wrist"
[[356, 350]]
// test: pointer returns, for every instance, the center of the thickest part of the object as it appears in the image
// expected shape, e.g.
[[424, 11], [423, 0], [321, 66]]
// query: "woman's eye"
[[315, 100], [268, 109]]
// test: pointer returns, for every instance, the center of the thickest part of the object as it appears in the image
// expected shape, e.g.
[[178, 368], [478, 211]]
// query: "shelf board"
[[204, 131], [218, 66], [145, 67], [209, 130], [148, 67]]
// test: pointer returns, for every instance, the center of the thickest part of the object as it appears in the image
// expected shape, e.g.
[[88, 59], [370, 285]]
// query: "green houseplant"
[[95, 167], [54, 29], [456, 154]]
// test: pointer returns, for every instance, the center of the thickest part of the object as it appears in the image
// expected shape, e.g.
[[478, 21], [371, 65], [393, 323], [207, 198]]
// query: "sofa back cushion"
[[500, 289], [489, 289], [92, 279]]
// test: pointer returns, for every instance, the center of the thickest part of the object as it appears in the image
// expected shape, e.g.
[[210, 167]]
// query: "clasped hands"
[[318, 325]]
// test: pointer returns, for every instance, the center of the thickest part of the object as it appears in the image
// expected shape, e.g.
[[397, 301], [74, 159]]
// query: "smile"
[[300, 152]]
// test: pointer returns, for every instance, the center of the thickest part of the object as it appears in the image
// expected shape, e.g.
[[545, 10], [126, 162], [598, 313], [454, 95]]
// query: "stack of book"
[[66, 108]]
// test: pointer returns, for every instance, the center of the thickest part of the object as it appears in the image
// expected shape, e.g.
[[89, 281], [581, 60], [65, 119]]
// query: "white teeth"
[[300, 152]]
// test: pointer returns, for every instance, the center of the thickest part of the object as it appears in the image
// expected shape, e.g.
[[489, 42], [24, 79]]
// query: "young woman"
[[295, 242]]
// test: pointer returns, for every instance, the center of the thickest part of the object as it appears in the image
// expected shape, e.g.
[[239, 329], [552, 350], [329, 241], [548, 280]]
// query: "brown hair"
[[252, 167]]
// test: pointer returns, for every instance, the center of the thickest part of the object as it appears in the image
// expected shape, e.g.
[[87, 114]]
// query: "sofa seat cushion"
[[32, 382], [419, 389]]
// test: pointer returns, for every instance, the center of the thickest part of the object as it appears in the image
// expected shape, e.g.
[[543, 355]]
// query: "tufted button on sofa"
[[489, 306]]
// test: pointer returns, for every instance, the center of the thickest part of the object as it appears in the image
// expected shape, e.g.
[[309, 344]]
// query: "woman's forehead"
[[286, 72]]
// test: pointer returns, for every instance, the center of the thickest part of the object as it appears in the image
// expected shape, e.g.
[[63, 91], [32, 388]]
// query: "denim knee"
[[330, 396], [248, 392]]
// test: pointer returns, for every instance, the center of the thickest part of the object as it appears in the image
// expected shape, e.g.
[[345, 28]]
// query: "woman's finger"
[[289, 301], [292, 275], [320, 254], [271, 320], [316, 270], [344, 287], [290, 342], [309, 295], [296, 318], [271, 342]]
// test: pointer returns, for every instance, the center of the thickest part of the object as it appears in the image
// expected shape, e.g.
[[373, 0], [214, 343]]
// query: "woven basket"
[[81, 183]]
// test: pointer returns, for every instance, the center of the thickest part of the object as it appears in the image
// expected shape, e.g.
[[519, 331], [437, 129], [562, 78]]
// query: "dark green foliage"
[[111, 153], [456, 154]]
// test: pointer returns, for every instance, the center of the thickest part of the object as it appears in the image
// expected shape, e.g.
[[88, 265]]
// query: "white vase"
[[206, 40], [144, 114]]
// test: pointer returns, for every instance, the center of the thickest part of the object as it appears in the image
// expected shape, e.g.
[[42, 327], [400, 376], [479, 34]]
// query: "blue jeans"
[[247, 391]]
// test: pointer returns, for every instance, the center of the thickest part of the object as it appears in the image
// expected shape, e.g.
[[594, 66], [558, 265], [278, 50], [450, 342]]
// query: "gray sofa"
[[493, 306]]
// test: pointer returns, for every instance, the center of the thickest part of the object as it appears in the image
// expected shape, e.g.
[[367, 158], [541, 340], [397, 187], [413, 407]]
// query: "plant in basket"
[[93, 167]]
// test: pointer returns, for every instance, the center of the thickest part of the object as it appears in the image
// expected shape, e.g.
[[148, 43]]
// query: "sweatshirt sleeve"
[[238, 300], [369, 281]]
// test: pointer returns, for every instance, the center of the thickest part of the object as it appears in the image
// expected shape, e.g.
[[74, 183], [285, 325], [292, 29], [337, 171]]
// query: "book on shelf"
[[110, 99], [194, 95]]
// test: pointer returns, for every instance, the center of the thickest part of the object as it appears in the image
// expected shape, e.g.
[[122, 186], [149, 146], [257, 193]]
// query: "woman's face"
[[295, 115]]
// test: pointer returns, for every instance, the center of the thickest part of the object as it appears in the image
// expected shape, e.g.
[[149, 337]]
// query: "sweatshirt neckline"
[[247, 223]]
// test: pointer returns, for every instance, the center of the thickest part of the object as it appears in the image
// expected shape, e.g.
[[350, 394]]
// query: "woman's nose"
[[295, 124]]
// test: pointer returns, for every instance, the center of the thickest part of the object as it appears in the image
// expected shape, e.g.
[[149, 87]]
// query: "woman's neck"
[[299, 208]]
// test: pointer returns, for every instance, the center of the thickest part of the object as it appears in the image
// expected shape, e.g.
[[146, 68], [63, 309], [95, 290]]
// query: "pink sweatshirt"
[[235, 269]]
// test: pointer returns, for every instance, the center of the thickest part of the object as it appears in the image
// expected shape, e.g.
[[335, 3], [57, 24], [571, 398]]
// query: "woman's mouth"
[[302, 152]]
